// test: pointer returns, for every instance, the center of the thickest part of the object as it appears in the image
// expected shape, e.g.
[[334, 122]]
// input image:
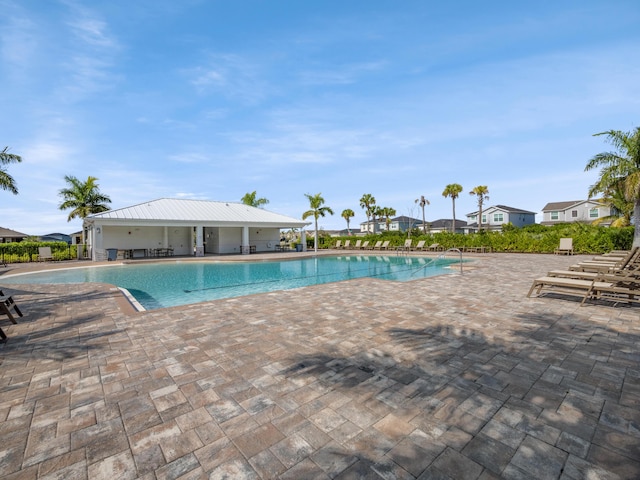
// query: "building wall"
[[148, 238], [229, 240], [578, 213]]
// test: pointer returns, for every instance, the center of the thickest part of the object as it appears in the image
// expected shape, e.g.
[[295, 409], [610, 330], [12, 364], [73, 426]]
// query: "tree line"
[[618, 182]]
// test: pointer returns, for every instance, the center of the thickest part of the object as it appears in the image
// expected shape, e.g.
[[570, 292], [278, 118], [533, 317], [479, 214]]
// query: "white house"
[[574, 211], [495, 216], [185, 227], [396, 224]]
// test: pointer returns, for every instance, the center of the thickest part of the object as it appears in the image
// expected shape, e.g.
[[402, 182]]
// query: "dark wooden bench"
[[6, 305]]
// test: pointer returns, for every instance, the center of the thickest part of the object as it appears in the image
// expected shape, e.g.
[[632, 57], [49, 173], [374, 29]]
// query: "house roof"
[[559, 206], [401, 218], [504, 208], [8, 233], [446, 223], [183, 211]]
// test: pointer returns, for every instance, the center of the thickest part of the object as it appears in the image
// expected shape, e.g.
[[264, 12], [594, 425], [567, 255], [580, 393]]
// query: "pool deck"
[[450, 377]]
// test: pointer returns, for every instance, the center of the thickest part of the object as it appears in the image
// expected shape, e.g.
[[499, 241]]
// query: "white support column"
[[199, 244], [245, 240], [165, 237], [303, 240]]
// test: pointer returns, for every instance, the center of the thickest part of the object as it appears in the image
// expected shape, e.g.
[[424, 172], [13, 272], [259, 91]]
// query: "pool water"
[[160, 285]]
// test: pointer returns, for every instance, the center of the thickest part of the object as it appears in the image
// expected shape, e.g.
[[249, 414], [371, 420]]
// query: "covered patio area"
[[168, 227]]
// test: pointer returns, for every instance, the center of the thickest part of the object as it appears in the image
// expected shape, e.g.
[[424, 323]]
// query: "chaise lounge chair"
[[565, 247], [44, 253], [615, 287], [434, 247], [627, 265], [406, 246], [338, 244], [346, 245], [377, 245], [357, 245], [419, 246], [365, 245], [602, 265]]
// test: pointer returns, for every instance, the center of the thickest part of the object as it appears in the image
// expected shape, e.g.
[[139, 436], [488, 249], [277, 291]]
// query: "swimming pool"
[[168, 284]]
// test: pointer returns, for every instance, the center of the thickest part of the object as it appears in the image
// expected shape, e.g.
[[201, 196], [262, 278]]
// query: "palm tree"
[[423, 202], [6, 181], [84, 198], [251, 200], [348, 214], [368, 202], [621, 209], [387, 213], [376, 213], [317, 210], [482, 193], [620, 169], [453, 190]]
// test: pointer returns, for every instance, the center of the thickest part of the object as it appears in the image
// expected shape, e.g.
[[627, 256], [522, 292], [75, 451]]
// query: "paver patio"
[[452, 377]]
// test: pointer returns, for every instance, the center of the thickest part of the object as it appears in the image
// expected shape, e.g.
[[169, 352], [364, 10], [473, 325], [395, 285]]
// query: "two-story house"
[[497, 215], [397, 224], [585, 211]]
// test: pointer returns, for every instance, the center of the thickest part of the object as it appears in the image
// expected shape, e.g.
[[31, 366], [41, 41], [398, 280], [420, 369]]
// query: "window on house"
[[484, 218], [574, 213], [498, 217], [593, 213], [555, 215]]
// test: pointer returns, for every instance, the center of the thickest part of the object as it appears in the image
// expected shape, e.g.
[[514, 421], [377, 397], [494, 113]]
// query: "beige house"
[[184, 227], [495, 216], [585, 211], [8, 236]]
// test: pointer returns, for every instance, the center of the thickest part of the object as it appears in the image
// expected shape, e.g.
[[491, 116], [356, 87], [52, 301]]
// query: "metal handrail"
[[442, 255]]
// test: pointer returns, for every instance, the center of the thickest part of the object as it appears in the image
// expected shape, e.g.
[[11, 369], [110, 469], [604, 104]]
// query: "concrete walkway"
[[453, 377]]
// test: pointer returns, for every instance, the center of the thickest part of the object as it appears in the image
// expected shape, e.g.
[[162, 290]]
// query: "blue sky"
[[213, 99]]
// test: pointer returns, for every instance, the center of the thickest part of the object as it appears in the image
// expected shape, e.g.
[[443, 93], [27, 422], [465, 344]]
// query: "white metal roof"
[[172, 210]]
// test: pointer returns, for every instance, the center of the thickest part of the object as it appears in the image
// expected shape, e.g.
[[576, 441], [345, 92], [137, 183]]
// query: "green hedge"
[[19, 252], [587, 239]]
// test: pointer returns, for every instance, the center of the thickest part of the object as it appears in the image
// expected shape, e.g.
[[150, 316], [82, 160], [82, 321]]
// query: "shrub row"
[[587, 239], [18, 252]]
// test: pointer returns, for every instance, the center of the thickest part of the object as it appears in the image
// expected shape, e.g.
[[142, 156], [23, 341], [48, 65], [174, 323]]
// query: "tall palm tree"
[[252, 200], [482, 194], [348, 214], [453, 190], [317, 210], [6, 181], [368, 202], [423, 202], [83, 198], [620, 168]]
